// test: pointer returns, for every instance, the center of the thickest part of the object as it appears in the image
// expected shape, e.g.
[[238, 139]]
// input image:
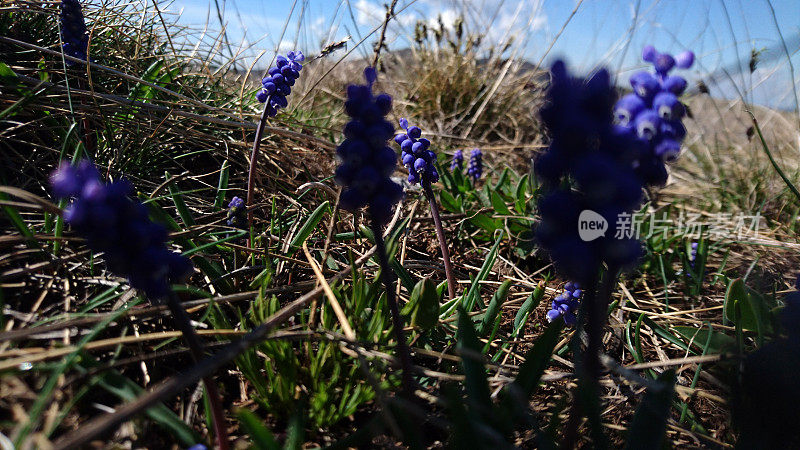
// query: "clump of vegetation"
[[565, 299]]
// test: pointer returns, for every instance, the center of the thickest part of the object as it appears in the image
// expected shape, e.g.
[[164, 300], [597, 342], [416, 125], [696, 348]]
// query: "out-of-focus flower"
[[458, 161], [74, 35], [475, 167], [119, 226], [367, 162]]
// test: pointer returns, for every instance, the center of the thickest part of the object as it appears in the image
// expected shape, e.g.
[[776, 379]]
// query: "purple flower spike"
[[237, 213], [565, 304], [458, 161], [74, 34], [367, 162], [416, 156], [649, 53], [118, 225], [684, 60], [475, 167], [278, 84]]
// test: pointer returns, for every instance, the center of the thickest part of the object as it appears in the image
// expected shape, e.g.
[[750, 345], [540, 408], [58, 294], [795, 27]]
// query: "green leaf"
[[423, 305], [503, 181], [472, 363], [521, 194], [308, 227], [752, 307], [524, 311], [493, 309], [485, 222], [128, 391], [7, 75], [254, 427], [515, 397], [473, 295], [537, 359], [222, 186], [449, 202], [717, 340], [649, 424], [180, 205], [498, 204]]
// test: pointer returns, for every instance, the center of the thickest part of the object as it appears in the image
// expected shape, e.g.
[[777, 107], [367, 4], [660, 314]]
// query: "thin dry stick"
[[382, 38], [337, 308], [437, 222]]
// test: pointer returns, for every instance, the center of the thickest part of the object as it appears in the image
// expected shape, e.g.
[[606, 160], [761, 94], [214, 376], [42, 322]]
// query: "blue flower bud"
[[649, 53], [673, 129], [644, 85], [420, 165], [458, 161], [627, 108], [674, 84], [684, 60], [414, 132], [384, 103], [668, 150], [667, 106], [664, 63], [647, 125]]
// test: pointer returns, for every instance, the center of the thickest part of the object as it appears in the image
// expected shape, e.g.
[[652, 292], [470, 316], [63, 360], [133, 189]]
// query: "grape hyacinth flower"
[[653, 113], [458, 161], [475, 167], [588, 182], [74, 35], [279, 81], [275, 87], [367, 162], [367, 165], [693, 254], [114, 223], [566, 304], [589, 152], [237, 213], [118, 225], [419, 159], [416, 154]]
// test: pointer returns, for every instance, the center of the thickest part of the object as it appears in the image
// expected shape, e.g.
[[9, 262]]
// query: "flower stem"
[[196, 349], [592, 318], [437, 222], [251, 174], [391, 300]]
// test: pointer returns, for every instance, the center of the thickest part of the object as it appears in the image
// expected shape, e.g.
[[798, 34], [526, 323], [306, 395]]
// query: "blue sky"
[[601, 32]]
